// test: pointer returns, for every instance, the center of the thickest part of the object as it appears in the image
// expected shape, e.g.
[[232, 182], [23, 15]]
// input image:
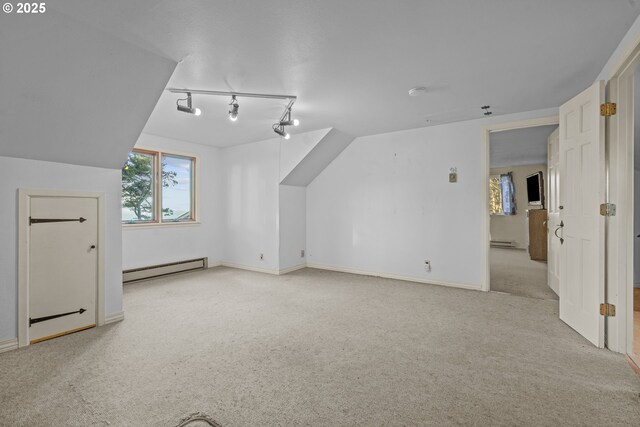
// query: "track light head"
[[233, 113], [280, 131], [286, 120], [294, 122], [188, 108]]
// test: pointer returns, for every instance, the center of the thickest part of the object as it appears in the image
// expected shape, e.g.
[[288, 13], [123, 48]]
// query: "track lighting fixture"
[[233, 113], [278, 127], [188, 108]]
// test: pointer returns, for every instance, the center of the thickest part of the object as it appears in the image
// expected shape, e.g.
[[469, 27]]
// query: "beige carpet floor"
[[513, 272], [315, 348]]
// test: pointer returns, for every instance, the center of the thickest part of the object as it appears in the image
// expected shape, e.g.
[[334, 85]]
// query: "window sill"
[[126, 226]]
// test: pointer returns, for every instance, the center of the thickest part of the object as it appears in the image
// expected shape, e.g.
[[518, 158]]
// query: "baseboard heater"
[[502, 244], [144, 273]]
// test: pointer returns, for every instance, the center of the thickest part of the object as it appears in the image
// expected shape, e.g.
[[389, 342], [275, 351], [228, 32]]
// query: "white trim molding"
[[291, 269], [249, 268], [394, 276], [619, 228], [113, 318], [24, 196], [8, 345]]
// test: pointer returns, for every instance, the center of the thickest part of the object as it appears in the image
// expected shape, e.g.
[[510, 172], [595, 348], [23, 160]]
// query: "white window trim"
[[195, 193]]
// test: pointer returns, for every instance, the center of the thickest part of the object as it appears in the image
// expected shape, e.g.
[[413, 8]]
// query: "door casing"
[[620, 192], [24, 198], [553, 220]]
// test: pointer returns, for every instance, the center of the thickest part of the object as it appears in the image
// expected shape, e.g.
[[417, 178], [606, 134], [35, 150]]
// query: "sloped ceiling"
[[520, 146], [318, 158], [352, 62], [72, 93]]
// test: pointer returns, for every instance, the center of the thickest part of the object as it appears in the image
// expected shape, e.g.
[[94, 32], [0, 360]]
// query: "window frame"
[[157, 156]]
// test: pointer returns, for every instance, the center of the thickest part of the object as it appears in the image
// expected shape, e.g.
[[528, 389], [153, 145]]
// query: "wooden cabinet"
[[538, 234]]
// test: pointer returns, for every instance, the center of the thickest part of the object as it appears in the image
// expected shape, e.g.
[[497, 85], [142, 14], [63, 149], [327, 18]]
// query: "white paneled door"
[[553, 219], [582, 189], [63, 265]]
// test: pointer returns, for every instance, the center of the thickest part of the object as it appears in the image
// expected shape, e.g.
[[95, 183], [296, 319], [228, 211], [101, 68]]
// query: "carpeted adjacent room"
[[513, 272], [319, 348]]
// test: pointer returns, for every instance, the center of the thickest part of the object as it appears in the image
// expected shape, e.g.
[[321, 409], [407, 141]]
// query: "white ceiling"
[[352, 62], [72, 93], [520, 146]]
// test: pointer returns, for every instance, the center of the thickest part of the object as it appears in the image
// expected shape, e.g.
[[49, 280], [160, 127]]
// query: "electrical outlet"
[[302, 253], [427, 265], [261, 257]]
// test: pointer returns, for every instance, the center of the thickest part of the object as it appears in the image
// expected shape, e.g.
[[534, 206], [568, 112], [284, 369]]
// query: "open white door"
[[553, 203], [582, 189]]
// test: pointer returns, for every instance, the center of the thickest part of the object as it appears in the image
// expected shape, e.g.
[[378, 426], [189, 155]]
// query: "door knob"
[[556, 232], [92, 247]]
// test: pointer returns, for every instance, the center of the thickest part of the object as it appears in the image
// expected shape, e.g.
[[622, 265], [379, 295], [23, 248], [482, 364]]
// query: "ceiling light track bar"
[[287, 110], [291, 98]]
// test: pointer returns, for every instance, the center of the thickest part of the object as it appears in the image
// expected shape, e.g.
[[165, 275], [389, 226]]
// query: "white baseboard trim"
[[115, 317], [394, 276], [249, 268], [8, 345], [294, 268]]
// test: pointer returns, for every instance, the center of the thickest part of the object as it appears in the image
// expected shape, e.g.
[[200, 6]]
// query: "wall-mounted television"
[[535, 189]]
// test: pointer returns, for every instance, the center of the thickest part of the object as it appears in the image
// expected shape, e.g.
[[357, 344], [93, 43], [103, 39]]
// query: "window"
[[158, 188], [502, 198]]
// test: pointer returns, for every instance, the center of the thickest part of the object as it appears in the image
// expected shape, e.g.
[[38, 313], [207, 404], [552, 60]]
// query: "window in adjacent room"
[[502, 198], [158, 188]]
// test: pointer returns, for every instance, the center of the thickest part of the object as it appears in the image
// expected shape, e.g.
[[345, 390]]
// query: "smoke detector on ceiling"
[[417, 91]]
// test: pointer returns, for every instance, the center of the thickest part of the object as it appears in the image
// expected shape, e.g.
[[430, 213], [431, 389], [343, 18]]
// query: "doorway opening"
[[522, 202]]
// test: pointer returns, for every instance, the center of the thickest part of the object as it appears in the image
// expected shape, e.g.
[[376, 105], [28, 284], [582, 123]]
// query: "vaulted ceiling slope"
[[72, 93], [352, 62], [527, 146]]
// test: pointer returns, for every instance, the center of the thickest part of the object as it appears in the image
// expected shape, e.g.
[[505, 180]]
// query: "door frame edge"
[[619, 134], [24, 196]]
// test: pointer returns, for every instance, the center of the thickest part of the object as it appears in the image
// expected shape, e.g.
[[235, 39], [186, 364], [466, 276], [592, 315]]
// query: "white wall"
[[34, 174], [293, 226], [148, 245], [514, 228], [385, 204], [250, 180]]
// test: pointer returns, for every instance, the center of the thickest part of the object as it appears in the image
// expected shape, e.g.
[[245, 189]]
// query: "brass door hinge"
[[608, 209], [608, 109], [608, 310]]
